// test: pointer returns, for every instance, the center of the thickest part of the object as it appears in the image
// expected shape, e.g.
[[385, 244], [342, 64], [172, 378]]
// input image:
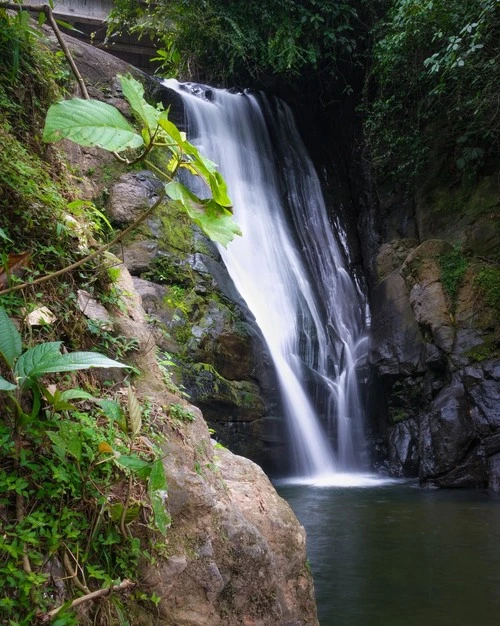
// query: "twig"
[[123, 527], [73, 575], [125, 584], [91, 256]]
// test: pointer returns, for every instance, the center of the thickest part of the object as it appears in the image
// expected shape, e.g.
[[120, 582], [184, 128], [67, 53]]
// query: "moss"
[[398, 415], [487, 280], [176, 230], [453, 266], [469, 199], [484, 350]]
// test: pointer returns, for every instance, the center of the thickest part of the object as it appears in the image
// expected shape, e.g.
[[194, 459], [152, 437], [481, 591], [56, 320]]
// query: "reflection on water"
[[397, 555]]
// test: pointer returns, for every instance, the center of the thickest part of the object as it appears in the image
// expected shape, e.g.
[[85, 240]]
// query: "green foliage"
[[29, 366], [453, 266], [90, 122], [181, 413], [218, 225], [26, 65], [118, 346], [62, 474], [487, 281], [244, 36], [435, 72]]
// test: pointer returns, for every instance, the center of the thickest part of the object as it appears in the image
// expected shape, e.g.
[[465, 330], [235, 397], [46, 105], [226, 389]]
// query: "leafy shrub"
[[453, 266], [65, 491], [435, 72], [244, 36]]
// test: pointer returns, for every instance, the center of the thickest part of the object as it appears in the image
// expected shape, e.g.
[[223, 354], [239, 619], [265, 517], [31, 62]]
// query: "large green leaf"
[[10, 339], [114, 412], [171, 129], [75, 394], [5, 385], [90, 123], [132, 463], [46, 358], [157, 488], [197, 163], [207, 170], [3, 235], [215, 220], [30, 360], [134, 92]]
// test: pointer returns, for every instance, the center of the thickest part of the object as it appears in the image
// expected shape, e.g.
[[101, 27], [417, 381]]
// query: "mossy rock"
[[448, 212], [228, 400]]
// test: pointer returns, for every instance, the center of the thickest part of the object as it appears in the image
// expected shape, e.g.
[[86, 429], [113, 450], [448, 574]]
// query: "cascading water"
[[307, 306]]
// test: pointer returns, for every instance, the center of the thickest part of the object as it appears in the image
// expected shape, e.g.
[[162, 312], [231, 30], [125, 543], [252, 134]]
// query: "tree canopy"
[[243, 36], [431, 65]]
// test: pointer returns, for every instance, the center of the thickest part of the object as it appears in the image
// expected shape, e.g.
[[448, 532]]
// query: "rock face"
[[208, 333], [235, 553], [435, 347]]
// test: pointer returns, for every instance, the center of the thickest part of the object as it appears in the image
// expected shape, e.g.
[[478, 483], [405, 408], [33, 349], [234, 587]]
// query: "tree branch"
[[125, 584], [50, 16], [91, 256]]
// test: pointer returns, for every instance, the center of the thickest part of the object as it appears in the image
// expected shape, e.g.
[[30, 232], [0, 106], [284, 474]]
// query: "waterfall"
[[290, 270]]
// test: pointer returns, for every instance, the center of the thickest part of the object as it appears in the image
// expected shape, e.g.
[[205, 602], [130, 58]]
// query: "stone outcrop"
[[235, 553], [437, 354], [199, 319]]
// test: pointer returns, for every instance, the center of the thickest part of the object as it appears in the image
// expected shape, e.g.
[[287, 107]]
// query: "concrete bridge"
[[89, 17], [85, 11]]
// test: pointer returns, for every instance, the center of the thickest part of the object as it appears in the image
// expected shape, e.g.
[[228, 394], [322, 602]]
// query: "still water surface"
[[397, 555]]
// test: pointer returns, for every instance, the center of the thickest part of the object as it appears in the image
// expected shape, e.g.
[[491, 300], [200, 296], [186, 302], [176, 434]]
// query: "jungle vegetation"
[[431, 66]]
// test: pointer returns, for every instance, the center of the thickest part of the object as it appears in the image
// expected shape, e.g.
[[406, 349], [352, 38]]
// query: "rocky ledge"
[[235, 553], [435, 346]]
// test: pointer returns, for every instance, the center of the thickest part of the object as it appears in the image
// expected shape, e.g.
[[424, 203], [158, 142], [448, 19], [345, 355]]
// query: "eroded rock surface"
[[437, 354], [235, 553]]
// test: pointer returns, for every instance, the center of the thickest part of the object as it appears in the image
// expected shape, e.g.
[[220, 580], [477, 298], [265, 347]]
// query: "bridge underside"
[[89, 17]]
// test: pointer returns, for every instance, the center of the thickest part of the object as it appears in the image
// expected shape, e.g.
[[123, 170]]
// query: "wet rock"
[[494, 472], [131, 195], [483, 388], [403, 449], [447, 436], [427, 298], [222, 399], [391, 256], [396, 343], [470, 473], [483, 237]]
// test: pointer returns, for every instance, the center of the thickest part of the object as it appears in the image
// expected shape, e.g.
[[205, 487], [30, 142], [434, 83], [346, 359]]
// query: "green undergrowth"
[[74, 488], [487, 281], [453, 266], [77, 503], [442, 107]]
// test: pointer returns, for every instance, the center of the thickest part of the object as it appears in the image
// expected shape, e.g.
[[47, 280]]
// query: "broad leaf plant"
[[90, 122]]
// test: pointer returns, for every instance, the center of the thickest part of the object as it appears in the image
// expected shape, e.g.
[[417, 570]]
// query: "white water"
[[295, 283]]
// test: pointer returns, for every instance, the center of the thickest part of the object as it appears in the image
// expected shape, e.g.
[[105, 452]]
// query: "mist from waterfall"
[[290, 270]]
